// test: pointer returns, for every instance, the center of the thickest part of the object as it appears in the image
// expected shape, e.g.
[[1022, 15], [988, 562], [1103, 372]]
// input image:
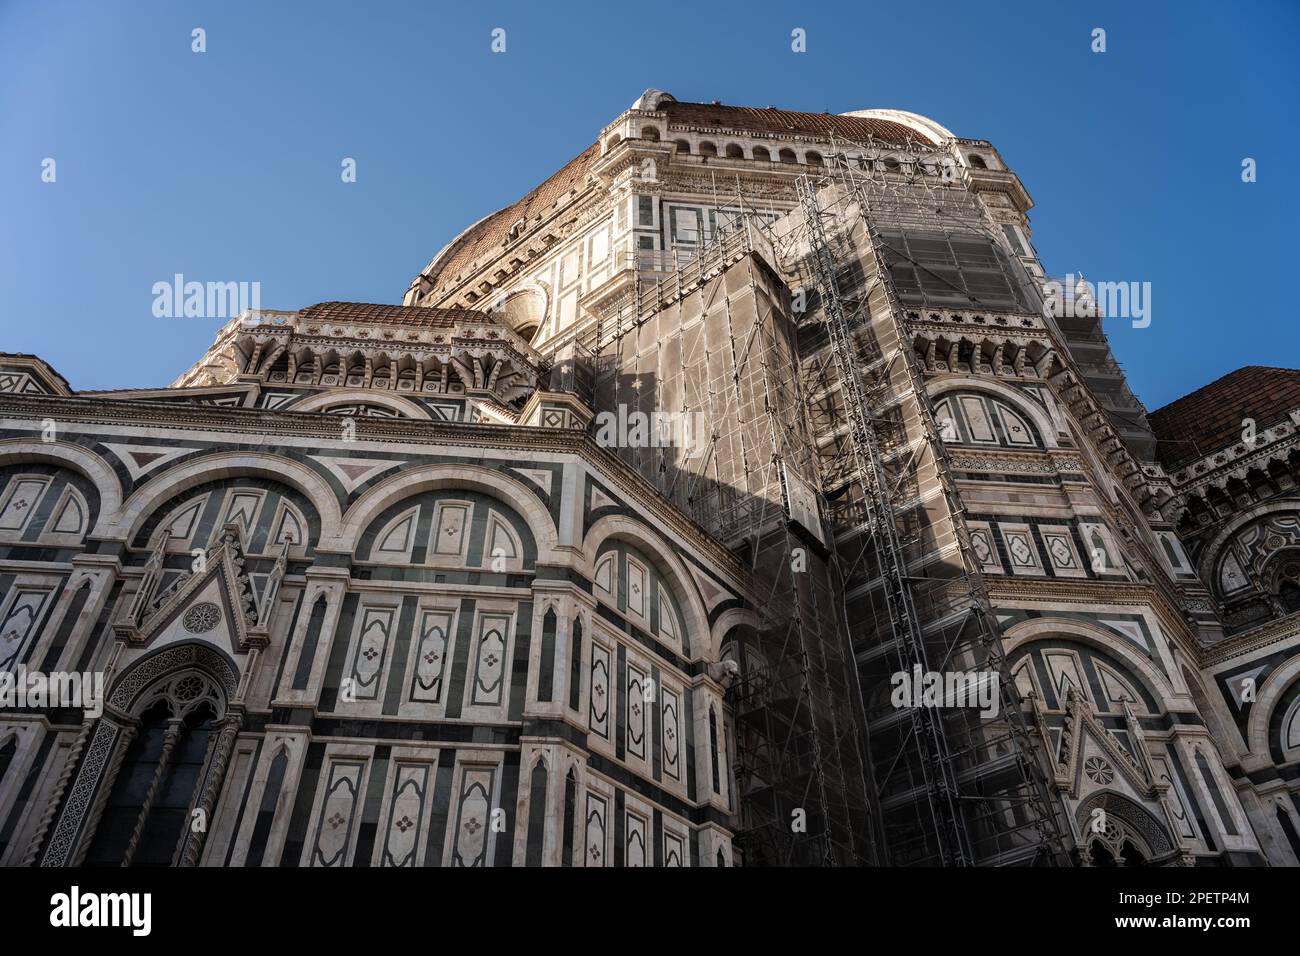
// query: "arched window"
[[266, 809], [759, 153], [570, 818], [546, 666], [788, 156], [650, 134], [977, 161], [713, 750], [813, 158], [536, 815], [708, 149], [147, 811], [683, 145], [735, 152], [575, 667]]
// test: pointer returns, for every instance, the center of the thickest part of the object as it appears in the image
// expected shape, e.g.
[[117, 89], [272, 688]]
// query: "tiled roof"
[[1211, 418], [486, 238], [773, 120], [366, 312]]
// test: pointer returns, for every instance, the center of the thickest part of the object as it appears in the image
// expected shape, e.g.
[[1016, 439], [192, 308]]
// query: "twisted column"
[[120, 748], [60, 788], [192, 842], [170, 738]]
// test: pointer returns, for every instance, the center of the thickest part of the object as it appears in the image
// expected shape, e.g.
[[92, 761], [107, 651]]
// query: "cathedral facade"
[[607, 546]]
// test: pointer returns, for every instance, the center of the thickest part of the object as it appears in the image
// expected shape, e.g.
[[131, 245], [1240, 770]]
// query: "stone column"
[[171, 737], [191, 845]]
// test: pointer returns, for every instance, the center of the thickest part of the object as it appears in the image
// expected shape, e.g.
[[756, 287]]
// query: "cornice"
[[1255, 639], [267, 425], [1092, 593]]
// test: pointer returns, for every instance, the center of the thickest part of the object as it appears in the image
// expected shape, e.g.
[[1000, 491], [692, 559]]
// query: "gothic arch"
[[1210, 556], [495, 484], [155, 493], [727, 622], [1136, 822], [621, 528], [137, 682], [1106, 642], [1269, 695], [940, 385], [17, 451]]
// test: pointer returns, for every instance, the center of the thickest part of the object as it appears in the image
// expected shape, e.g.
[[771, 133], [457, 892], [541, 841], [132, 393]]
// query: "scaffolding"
[[825, 472], [951, 785]]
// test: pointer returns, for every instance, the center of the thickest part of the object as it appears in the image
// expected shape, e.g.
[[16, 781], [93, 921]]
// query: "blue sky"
[[226, 165]]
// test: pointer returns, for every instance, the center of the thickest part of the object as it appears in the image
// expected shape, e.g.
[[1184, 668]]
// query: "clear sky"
[[225, 165]]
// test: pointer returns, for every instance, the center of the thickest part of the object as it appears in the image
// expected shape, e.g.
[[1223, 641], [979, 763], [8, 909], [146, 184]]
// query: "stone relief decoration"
[[434, 631], [187, 675], [71, 515], [1128, 833], [406, 824], [983, 547], [471, 836], [636, 707], [126, 692], [333, 839], [20, 383], [22, 613], [598, 716], [671, 734], [150, 615], [1062, 552], [675, 854], [597, 814], [634, 851], [369, 652], [970, 418], [490, 660], [22, 496], [1023, 553], [201, 618], [140, 460], [1098, 770]]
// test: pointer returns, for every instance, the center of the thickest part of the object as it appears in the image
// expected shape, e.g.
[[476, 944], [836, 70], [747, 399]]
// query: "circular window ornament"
[[201, 618], [1098, 770]]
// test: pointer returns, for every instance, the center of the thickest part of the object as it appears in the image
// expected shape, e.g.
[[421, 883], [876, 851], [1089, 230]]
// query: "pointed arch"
[[511, 492], [698, 640], [16, 451], [153, 494], [1019, 402], [1107, 642]]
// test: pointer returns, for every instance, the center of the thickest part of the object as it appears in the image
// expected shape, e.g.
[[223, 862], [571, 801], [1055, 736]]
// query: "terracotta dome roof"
[[1211, 418], [486, 237]]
